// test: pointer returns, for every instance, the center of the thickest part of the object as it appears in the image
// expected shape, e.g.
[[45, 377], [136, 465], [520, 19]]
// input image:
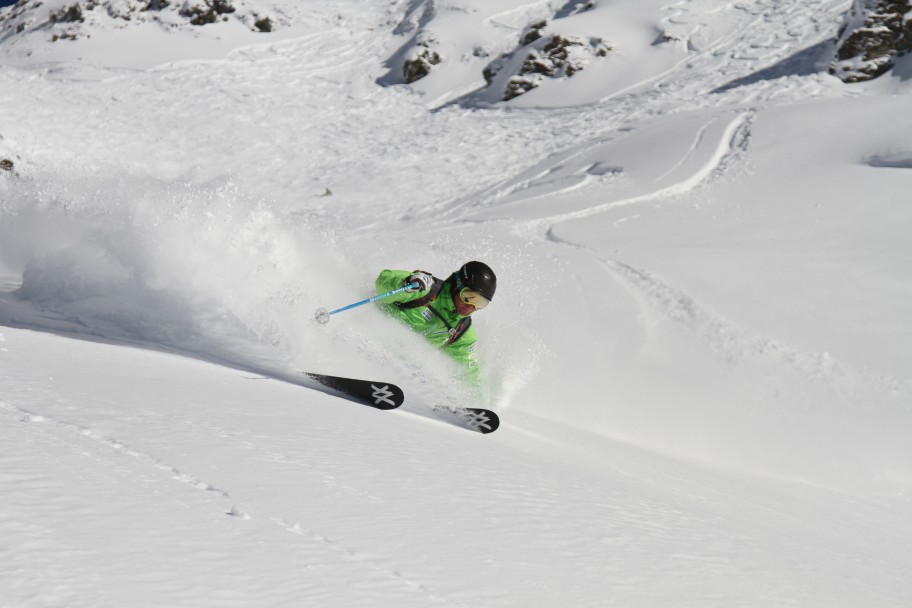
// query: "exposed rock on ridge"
[[74, 19], [876, 32], [543, 56]]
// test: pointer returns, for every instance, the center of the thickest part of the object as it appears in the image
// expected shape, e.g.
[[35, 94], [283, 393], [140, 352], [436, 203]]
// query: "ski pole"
[[322, 315]]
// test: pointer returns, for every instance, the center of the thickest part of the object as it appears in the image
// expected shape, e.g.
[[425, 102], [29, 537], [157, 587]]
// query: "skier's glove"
[[423, 279]]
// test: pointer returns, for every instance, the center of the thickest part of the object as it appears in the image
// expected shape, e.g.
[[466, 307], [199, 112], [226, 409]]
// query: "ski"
[[386, 396], [381, 395], [471, 418]]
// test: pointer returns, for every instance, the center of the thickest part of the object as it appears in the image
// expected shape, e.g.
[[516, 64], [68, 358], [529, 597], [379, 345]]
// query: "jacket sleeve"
[[388, 280]]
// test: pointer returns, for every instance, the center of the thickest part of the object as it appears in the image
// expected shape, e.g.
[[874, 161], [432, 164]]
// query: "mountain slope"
[[696, 348], [183, 483]]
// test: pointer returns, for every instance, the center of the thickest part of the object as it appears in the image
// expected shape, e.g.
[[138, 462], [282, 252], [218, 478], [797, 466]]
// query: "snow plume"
[[510, 348], [212, 270], [171, 265]]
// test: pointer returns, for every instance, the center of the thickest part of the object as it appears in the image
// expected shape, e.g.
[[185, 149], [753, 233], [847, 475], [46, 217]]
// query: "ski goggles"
[[473, 298]]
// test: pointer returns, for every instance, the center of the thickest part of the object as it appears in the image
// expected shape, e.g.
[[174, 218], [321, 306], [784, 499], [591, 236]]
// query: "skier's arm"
[[388, 280]]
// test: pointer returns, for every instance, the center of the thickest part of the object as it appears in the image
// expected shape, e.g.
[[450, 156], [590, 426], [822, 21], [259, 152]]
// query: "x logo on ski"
[[382, 395]]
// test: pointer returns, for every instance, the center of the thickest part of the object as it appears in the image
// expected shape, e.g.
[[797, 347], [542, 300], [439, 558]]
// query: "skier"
[[441, 309]]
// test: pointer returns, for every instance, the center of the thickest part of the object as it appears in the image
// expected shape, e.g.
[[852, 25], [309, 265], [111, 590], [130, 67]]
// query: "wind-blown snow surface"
[[699, 348]]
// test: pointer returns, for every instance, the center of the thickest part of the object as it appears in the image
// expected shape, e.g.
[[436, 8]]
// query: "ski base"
[[381, 395]]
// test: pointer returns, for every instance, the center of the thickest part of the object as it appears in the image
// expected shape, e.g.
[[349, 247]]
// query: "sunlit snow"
[[699, 347]]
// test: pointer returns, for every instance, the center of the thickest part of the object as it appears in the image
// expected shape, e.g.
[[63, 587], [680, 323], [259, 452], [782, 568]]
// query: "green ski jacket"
[[436, 328]]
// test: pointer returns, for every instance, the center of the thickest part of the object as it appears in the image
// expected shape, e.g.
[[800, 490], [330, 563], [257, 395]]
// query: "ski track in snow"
[[352, 555], [65, 432], [731, 342], [737, 130], [104, 451]]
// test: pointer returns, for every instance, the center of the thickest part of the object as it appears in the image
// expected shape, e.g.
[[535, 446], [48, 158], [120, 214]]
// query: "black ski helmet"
[[479, 277]]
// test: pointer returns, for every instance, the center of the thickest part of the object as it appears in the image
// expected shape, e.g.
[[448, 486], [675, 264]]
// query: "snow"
[[698, 349]]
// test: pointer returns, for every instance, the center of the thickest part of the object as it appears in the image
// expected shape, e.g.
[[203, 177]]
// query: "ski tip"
[[471, 418], [492, 424]]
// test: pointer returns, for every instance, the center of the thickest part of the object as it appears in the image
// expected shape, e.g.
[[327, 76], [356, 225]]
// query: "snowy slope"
[[697, 349]]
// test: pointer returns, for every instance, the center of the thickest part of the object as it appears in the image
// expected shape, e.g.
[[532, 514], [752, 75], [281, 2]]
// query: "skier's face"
[[468, 301], [463, 308]]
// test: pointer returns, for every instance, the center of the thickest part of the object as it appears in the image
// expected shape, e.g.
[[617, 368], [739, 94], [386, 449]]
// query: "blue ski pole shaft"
[[322, 315], [369, 300]]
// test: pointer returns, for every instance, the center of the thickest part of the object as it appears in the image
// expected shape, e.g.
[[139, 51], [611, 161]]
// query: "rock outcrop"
[[542, 56], [876, 32], [75, 19]]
